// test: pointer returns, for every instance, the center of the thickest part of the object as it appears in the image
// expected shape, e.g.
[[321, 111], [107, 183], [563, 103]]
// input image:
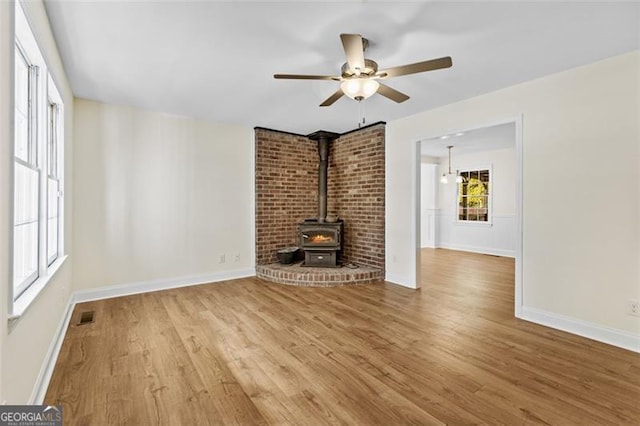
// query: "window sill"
[[25, 300], [473, 224]]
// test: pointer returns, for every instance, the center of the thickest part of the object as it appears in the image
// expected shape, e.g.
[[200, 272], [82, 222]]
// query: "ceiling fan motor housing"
[[370, 68]]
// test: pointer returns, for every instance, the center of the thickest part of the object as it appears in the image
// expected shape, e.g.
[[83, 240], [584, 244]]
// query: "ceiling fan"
[[360, 76]]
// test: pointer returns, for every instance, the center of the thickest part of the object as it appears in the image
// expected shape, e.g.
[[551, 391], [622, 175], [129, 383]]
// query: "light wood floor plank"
[[251, 352]]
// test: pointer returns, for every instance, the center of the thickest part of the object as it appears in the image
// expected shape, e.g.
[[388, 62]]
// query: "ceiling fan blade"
[[354, 49], [430, 65], [391, 93], [331, 99], [306, 77]]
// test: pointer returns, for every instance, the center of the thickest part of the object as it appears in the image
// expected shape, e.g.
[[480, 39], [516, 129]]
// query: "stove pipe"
[[323, 166], [324, 139]]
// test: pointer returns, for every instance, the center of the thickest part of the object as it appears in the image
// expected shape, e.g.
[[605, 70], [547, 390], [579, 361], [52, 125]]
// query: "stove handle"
[[305, 236]]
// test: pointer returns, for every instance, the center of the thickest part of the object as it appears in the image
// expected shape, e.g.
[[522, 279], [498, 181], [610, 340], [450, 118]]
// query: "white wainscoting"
[[429, 228], [497, 239]]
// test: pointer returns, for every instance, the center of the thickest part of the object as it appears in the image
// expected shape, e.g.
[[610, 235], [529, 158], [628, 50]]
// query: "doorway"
[[470, 195]]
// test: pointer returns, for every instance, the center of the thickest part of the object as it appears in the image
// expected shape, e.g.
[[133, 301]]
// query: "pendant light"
[[444, 178]]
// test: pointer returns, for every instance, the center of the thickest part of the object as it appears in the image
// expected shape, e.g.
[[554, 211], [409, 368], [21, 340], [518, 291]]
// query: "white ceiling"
[[477, 140], [216, 60]]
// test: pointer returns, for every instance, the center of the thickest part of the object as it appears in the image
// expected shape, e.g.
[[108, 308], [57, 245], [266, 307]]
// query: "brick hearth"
[[318, 277]]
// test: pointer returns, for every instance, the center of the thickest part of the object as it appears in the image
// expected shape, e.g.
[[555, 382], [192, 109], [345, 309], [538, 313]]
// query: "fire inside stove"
[[320, 239]]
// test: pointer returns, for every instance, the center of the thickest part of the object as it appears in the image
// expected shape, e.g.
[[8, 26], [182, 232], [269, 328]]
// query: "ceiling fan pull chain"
[[361, 118]]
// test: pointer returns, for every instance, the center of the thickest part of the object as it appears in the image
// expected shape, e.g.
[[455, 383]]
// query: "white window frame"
[[55, 131], [489, 221], [44, 91], [31, 162]]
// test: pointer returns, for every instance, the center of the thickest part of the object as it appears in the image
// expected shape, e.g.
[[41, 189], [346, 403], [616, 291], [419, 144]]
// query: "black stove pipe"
[[324, 139], [323, 166]]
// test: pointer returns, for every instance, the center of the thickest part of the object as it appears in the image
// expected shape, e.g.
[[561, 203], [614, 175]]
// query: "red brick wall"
[[356, 193], [287, 188]]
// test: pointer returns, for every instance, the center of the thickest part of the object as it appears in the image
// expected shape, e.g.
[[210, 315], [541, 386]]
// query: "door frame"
[[517, 121]]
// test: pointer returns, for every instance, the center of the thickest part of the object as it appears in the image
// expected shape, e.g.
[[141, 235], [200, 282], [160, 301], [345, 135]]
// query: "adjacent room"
[[320, 212], [468, 196]]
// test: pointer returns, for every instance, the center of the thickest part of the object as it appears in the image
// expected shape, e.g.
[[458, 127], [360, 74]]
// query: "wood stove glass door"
[[319, 237]]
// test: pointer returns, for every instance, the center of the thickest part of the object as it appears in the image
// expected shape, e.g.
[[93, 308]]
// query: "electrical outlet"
[[633, 308], [237, 258], [222, 258]]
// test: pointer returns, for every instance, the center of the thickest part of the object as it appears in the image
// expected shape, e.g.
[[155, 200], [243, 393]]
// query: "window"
[[53, 185], [474, 196], [37, 169], [26, 176]]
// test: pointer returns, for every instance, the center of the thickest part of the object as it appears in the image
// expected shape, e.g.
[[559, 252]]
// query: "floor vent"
[[86, 317]]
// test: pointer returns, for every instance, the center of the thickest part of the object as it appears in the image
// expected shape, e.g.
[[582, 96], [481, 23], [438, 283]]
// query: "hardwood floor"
[[251, 352]]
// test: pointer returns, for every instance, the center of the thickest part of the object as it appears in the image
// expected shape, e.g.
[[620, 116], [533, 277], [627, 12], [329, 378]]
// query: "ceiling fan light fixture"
[[359, 88]]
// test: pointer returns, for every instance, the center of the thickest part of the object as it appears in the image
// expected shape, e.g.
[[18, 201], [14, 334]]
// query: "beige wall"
[[158, 196], [580, 187], [6, 107], [25, 343]]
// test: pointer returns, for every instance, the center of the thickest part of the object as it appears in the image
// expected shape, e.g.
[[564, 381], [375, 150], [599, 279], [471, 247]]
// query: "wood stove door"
[[319, 238]]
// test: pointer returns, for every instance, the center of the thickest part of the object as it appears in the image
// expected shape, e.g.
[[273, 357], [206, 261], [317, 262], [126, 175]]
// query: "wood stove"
[[321, 242]]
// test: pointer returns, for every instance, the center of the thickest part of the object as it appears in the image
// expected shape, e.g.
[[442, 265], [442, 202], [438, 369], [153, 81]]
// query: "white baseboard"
[[600, 333], [46, 371], [399, 280], [155, 285], [481, 250]]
